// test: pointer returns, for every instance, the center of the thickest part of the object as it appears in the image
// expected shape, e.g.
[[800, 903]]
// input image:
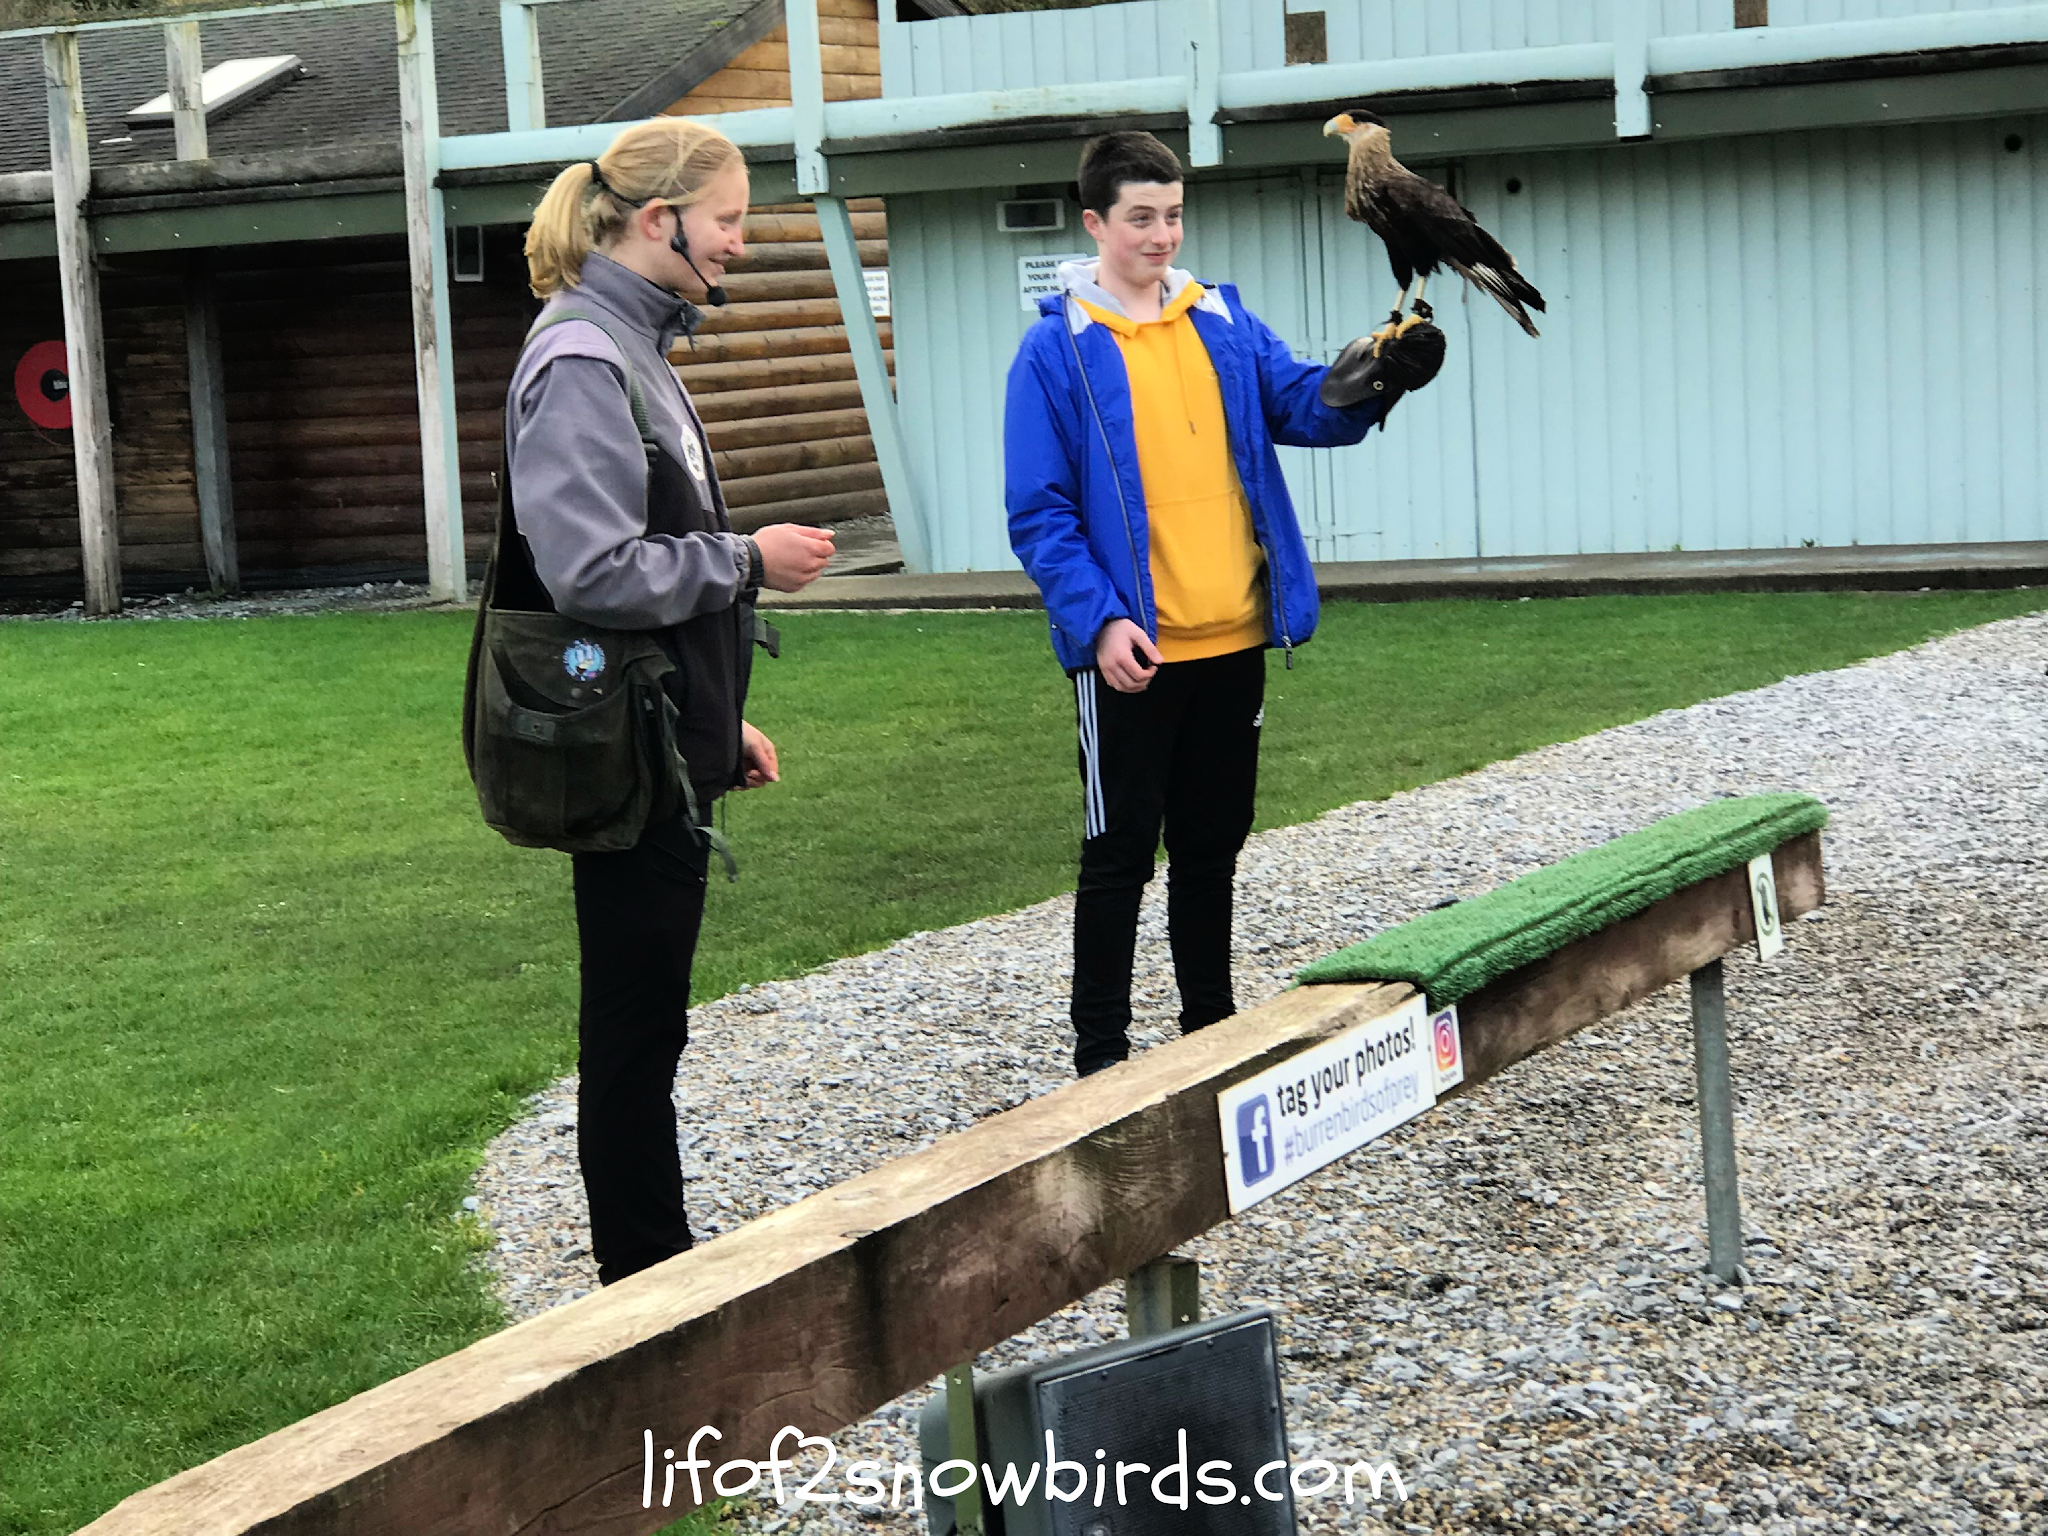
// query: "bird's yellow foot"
[[1418, 318], [1385, 334]]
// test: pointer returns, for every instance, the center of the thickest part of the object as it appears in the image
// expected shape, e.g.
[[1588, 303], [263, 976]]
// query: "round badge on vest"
[[693, 455]]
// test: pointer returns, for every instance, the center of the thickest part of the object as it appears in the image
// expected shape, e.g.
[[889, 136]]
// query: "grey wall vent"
[[1030, 215]]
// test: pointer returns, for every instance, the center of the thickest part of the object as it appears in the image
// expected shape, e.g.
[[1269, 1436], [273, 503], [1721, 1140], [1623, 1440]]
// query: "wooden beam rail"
[[818, 1313]]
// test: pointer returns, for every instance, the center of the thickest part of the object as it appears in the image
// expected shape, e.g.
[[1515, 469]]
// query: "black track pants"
[[637, 916], [1185, 754]]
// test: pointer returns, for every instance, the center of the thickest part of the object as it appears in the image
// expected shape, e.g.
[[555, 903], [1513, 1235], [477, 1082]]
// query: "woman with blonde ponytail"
[[623, 526]]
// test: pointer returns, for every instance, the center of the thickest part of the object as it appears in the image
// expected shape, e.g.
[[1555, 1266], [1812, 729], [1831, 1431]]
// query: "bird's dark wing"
[[1364, 183], [1431, 217]]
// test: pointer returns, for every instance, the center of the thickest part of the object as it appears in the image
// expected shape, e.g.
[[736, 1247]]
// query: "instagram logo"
[[1450, 1049]]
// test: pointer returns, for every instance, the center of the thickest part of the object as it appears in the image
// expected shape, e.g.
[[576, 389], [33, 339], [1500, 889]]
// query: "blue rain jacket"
[[1071, 482]]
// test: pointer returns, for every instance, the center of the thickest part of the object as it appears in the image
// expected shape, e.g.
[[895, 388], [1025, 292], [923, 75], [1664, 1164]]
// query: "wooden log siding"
[[154, 486], [780, 349], [323, 419], [819, 1312], [323, 424], [772, 376], [758, 76]]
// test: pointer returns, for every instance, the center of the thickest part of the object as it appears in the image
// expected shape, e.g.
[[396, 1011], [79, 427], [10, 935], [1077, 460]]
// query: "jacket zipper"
[[1272, 567], [1115, 474]]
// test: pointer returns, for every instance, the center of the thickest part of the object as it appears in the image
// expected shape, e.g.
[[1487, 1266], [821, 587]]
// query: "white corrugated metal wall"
[[1752, 343]]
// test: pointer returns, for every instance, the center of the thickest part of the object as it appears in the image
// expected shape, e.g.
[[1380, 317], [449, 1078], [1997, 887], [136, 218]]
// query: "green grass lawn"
[[269, 984]]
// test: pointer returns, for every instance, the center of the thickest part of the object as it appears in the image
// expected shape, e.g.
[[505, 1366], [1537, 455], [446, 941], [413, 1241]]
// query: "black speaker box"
[[1215, 1383]]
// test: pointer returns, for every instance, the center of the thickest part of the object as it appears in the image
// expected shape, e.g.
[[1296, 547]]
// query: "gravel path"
[[1506, 1298]]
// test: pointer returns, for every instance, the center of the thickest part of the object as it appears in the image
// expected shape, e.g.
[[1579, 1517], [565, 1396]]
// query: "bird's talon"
[[1382, 336], [1418, 318]]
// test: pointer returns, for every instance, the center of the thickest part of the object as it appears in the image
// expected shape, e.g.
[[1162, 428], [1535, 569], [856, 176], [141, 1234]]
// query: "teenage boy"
[[1146, 501]]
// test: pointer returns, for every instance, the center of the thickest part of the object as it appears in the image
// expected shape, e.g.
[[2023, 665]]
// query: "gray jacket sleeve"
[[579, 486]]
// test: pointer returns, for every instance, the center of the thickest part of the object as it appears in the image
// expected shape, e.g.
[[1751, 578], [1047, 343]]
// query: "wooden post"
[[807, 96], [184, 71], [1205, 67], [1752, 13], [85, 359], [208, 392], [871, 367], [526, 104], [1632, 115], [426, 238]]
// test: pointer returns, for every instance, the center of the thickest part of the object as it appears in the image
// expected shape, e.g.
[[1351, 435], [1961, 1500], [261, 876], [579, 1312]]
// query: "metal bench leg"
[[1163, 1295], [1717, 1121], [964, 1441]]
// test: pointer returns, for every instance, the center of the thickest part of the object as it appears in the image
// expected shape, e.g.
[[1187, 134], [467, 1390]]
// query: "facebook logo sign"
[[1254, 1140]]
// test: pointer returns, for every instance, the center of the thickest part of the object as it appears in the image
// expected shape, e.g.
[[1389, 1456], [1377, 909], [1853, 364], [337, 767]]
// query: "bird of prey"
[[1423, 227]]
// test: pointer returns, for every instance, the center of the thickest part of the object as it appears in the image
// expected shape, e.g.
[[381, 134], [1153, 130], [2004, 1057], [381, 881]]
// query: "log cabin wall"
[[159, 505], [772, 373], [323, 416], [772, 376], [323, 424], [758, 76]]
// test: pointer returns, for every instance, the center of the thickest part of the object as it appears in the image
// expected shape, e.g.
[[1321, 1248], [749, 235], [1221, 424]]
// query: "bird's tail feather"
[[1509, 288]]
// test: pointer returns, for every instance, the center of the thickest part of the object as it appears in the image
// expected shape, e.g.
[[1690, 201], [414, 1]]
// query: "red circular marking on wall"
[[42, 383]]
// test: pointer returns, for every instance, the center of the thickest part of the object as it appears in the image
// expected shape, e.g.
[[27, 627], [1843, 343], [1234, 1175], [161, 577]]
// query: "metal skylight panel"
[[224, 87]]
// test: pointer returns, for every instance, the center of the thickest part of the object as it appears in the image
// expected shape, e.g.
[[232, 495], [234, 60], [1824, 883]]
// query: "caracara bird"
[[1423, 226]]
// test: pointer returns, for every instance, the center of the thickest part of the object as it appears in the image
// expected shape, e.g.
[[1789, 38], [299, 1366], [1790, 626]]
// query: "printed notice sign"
[[1039, 275], [877, 280], [1304, 1114], [1763, 902], [1448, 1047]]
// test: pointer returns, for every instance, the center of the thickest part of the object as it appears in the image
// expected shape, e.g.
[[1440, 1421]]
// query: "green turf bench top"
[[1454, 951]]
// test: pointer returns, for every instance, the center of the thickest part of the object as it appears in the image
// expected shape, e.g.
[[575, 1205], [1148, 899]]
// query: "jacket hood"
[[1077, 279]]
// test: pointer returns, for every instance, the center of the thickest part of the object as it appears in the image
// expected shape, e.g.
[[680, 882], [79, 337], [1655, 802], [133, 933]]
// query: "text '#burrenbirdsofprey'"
[[1097, 1481]]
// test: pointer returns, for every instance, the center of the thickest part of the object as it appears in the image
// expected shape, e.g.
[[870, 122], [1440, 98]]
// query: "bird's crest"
[[1344, 124]]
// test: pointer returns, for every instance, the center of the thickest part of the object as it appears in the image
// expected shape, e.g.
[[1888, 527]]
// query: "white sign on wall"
[[877, 279], [1040, 275], [1312, 1109]]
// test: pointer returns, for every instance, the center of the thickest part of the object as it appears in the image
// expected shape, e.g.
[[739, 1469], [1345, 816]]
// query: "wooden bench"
[[820, 1312]]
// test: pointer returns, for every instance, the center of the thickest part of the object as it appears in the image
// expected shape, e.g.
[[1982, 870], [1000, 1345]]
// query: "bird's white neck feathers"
[[1372, 144]]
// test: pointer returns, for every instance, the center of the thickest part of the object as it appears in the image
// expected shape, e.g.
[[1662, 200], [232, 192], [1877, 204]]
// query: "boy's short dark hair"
[[1110, 161]]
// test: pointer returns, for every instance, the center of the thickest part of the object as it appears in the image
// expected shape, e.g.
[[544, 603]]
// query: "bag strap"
[[635, 399]]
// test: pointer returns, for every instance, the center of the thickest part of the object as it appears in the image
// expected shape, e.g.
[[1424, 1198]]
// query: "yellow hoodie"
[[1207, 569]]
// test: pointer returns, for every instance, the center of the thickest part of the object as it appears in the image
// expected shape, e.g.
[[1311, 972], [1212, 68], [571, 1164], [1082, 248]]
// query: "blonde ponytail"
[[667, 158]]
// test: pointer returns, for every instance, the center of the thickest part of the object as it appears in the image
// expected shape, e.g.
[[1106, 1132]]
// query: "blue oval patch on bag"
[[583, 660]]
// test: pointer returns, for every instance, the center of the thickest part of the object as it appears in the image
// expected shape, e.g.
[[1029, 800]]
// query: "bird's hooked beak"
[[1339, 126]]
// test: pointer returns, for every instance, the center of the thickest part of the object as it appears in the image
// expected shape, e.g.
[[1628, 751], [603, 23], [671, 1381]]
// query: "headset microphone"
[[680, 244]]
